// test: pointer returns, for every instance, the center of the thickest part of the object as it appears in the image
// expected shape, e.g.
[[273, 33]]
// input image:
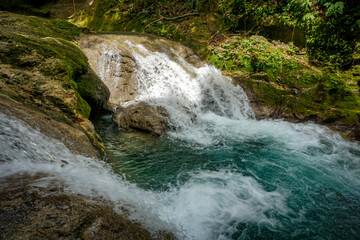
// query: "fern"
[[309, 17], [334, 8]]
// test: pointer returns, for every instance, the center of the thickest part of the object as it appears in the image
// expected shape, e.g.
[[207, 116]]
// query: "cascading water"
[[219, 174], [186, 92]]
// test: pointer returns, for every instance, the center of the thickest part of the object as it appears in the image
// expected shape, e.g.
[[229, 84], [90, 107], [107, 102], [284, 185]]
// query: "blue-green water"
[[253, 180], [219, 173]]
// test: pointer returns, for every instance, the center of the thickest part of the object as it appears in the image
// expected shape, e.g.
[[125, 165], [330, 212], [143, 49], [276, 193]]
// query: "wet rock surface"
[[268, 101], [114, 66], [142, 116], [47, 83], [71, 135], [30, 212]]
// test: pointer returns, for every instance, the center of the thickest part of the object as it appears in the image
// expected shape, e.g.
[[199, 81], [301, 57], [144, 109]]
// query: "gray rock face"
[[114, 64], [142, 116]]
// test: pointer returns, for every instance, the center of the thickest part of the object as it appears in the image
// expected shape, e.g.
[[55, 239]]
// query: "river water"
[[217, 174]]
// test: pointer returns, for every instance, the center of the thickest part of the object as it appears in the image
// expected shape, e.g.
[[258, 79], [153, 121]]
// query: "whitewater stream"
[[218, 173]]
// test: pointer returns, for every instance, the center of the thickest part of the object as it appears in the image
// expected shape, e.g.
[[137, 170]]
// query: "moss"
[[82, 107], [93, 90], [143, 16], [39, 27], [44, 69], [270, 95], [41, 48], [281, 79], [255, 54], [340, 106]]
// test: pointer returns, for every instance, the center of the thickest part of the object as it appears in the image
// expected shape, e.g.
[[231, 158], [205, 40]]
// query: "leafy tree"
[[332, 27]]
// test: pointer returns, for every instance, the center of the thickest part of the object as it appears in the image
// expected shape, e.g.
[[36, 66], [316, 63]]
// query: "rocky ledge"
[[272, 101], [30, 212], [111, 56]]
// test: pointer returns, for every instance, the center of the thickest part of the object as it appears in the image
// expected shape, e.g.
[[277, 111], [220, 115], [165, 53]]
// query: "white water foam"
[[207, 108], [186, 92], [210, 204]]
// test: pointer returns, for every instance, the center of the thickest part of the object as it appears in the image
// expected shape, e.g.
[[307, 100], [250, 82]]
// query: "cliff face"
[[44, 75]]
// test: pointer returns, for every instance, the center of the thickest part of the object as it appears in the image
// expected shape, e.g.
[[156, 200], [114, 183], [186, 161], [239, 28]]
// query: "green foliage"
[[334, 8], [281, 80], [256, 55], [332, 27]]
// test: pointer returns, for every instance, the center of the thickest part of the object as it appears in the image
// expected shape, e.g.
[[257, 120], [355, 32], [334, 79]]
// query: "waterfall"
[[187, 93], [109, 66], [184, 89], [164, 78], [217, 174]]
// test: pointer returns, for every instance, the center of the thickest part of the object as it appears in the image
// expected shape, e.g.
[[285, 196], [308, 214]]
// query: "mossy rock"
[[93, 90], [43, 68]]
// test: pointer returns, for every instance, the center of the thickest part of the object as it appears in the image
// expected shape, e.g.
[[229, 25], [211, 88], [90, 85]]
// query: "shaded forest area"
[[331, 28]]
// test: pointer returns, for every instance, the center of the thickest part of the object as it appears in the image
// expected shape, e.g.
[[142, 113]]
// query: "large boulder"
[[47, 76], [142, 116]]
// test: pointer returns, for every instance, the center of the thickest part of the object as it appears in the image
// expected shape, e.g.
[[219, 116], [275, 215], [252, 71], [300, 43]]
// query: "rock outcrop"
[[115, 65], [269, 101], [47, 76], [29, 212], [142, 116]]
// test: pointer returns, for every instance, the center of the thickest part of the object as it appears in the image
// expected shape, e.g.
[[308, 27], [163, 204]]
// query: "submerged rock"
[[142, 116]]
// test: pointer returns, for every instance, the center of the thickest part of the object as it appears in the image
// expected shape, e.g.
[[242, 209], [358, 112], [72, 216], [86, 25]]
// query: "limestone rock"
[[93, 90], [142, 116], [115, 67]]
